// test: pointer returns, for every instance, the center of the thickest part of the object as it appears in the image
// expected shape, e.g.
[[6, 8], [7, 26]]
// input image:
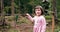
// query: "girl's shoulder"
[[42, 16]]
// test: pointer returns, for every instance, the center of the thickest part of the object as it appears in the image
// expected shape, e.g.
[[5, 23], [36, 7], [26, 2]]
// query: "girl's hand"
[[27, 15]]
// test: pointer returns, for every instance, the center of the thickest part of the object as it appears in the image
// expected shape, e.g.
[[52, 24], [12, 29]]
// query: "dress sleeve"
[[43, 26], [30, 18]]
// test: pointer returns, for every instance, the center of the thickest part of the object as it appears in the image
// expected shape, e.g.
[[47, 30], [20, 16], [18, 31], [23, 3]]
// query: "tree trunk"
[[0, 7], [19, 8], [2, 10], [54, 15], [12, 7], [54, 9], [2, 15]]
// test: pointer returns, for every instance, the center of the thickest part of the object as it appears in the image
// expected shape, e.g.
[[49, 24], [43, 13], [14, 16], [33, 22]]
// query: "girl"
[[38, 19]]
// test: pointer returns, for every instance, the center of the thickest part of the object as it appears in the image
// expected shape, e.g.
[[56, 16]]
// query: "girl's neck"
[[39, 15]]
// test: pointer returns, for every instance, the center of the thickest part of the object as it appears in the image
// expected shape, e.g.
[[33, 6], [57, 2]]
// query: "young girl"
[[38, 19]]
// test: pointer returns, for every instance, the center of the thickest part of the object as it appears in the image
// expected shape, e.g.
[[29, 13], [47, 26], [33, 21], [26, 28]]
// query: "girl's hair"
[[38, 6]]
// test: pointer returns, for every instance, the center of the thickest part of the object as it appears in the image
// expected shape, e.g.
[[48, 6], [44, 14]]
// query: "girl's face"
[[38, 11]]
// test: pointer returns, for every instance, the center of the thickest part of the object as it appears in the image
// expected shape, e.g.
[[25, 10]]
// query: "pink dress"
[[39, 23]]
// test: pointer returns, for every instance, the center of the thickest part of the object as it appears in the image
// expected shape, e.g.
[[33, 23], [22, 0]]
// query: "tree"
[[12, 7], [25, 7], [54, 17]]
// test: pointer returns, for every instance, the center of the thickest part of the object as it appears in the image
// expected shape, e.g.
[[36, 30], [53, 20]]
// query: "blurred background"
[[12, 15]]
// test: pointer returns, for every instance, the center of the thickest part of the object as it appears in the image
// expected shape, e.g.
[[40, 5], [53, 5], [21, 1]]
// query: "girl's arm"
[[29, 17], [43, 26]]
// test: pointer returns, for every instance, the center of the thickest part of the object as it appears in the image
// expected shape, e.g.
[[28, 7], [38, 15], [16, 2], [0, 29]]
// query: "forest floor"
[[22, 25]]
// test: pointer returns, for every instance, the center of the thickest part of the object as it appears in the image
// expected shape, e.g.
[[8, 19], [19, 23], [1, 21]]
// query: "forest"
[[12, 15]]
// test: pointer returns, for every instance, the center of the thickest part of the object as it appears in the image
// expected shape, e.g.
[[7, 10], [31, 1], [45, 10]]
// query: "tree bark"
[[54, 14], [2, 15], [12, 7]]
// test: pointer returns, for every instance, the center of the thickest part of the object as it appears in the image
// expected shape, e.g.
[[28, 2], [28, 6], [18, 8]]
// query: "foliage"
[[27, 6]]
